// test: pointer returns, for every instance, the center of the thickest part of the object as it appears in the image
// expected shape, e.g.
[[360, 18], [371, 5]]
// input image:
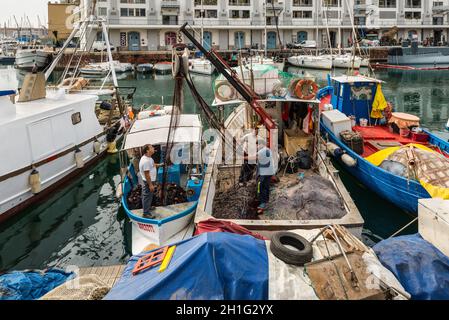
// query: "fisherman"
[[265, 171], [248, 169], [148, 172]]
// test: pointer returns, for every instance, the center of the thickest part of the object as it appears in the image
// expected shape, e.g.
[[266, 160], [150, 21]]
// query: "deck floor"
[[110, 275]]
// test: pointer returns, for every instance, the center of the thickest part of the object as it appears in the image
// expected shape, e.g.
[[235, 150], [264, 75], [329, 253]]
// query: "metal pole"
[[202, 23], [266, 34]]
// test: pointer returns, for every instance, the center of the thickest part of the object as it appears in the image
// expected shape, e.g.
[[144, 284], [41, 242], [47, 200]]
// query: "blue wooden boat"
[[398, 190]]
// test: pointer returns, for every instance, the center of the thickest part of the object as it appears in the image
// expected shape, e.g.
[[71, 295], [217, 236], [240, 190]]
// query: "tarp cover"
[[420, 267], [31, 285], [211, 266]]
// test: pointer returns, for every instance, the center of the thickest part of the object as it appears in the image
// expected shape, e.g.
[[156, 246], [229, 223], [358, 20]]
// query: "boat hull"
[[425, 59], [311, 62], [395, 189], [27, 60]]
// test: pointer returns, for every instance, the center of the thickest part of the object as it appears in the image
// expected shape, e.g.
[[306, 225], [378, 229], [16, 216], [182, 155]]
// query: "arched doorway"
[[134, 41], [170, 38], [207, 40], [271, 40], [302, 36], [239, 38]]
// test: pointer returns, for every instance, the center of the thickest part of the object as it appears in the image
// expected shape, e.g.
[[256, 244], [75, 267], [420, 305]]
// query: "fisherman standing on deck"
[[148, 172], [265, 171]]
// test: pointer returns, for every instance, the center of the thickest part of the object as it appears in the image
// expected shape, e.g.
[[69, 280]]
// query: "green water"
[[82, 224]]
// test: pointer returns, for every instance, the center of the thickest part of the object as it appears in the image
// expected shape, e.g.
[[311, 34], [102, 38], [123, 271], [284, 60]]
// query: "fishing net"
[[88, 287]]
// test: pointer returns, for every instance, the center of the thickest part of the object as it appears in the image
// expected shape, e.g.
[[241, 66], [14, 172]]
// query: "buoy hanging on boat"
[[224, 91], [306, 89], [338, 153], [97, 146], [79, 160], [35, 182], [112, 147]]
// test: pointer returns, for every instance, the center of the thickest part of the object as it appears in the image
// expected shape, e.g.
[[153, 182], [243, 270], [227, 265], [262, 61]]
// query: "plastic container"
[[363, 122], [336, 122]]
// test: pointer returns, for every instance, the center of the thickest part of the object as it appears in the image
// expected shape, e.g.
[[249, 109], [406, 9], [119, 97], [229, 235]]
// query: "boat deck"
[[110, 275], [166, 212], [377, 138]]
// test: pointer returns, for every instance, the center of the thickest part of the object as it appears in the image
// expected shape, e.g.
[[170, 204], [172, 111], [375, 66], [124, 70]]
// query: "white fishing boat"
[[171, 223], [221, 179], [309, 61], [56, 134], [29, 57], [145, 67], [103, 68], [201, 66], [164, 67]]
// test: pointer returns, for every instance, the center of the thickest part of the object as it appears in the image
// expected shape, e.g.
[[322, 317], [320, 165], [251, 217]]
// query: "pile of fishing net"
[[417, 162], [174, 195], [88, 287], [238, 202], [310, 198]]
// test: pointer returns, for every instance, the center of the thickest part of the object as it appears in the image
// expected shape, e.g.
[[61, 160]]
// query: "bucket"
[[363, 122]]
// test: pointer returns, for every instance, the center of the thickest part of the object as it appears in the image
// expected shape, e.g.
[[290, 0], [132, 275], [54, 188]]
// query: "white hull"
[[163, 68], [101, 69], [144, 234], [201, 66], [313, 62], [345, 61], [28, 59], [40, 137]]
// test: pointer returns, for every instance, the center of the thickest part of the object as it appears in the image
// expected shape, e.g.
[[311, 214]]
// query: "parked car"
[[306, 44], [101, 46]]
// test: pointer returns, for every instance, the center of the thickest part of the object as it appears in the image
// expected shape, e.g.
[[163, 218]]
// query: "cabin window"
[[362, 93], [76, 118]]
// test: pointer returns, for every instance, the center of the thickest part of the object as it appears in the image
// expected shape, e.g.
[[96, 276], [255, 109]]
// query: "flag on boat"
[[379, 104]]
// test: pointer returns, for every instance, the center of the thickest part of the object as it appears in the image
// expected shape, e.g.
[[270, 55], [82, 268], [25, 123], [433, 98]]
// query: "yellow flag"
[[379, 104]]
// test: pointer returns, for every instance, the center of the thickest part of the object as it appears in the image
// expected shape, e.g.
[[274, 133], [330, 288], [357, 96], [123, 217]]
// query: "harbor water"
[[83, 225]]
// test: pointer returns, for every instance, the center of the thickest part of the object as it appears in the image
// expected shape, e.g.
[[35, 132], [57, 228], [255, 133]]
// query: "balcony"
[[169, 4]]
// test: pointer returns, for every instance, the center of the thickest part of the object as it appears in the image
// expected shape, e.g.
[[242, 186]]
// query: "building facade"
[[231, 24]]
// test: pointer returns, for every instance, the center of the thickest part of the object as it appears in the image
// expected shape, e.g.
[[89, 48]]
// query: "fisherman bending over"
[[265, 171], [148, 172]]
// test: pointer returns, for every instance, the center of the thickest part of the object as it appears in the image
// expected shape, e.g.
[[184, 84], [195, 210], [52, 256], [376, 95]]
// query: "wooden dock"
[[110, 275]]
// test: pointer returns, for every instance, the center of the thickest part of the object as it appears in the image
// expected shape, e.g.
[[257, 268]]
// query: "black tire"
[[299, 257]]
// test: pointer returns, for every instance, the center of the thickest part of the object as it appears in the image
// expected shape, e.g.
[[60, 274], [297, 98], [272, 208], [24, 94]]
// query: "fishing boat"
[[29, 57], [144, 68], [418, 55], [164, 67], [103, 68], [201, 66], [345, 61], [309, 61], [172, 222], [58, 132], [350, 102]]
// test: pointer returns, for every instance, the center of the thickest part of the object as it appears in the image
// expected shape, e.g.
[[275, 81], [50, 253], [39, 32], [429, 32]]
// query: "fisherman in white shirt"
[[148, 173]]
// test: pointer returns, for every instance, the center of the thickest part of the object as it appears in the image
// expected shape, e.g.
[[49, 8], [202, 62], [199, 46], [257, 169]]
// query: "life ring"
[[223, 96], [306, 89]]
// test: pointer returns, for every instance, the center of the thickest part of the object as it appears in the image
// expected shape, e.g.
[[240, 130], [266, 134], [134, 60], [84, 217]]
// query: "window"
[[238, 14], [133, 1], [413, 15], [208, 14], [76, 118], [302, 14], [102, 12], [387, 3], [132, 12]]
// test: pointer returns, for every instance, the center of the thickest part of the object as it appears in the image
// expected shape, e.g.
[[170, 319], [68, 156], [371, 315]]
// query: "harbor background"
[[83, 224]]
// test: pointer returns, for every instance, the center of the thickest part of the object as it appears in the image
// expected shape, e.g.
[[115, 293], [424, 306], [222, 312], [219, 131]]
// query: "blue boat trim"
[[7, 92]]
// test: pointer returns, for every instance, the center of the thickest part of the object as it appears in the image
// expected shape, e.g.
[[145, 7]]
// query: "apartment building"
[[231, 24]]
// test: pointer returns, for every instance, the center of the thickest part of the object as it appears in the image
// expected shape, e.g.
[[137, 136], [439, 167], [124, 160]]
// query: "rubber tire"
[[299, 257]]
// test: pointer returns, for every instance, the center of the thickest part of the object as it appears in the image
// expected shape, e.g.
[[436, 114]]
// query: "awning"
[[155, 131]]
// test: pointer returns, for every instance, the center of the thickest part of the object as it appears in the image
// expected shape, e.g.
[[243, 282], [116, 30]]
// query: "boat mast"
[[202, 22], [266, 34], [354, 36]]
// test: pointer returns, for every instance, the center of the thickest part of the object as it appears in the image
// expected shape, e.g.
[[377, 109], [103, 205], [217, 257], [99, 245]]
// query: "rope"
[[403, 228]]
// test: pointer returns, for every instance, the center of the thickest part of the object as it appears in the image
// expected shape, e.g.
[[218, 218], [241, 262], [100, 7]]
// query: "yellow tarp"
[[378, 157], [424, 172], [379, 104]]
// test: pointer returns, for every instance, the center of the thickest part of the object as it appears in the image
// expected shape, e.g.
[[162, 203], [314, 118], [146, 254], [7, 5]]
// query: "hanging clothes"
[[379, 104]]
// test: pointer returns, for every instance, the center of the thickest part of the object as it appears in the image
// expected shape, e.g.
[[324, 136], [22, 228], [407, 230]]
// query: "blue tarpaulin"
[[211, 266], [31, 285], [419, 266]]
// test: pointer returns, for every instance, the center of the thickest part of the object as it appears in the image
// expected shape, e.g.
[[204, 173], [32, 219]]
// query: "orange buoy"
[[306, 89]]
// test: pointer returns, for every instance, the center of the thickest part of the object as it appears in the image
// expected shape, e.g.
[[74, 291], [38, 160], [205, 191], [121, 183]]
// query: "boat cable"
[[403, 228]]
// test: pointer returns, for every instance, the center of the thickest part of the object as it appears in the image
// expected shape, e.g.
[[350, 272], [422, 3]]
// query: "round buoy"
[[35, 182], [224, 91], [79, 160]]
